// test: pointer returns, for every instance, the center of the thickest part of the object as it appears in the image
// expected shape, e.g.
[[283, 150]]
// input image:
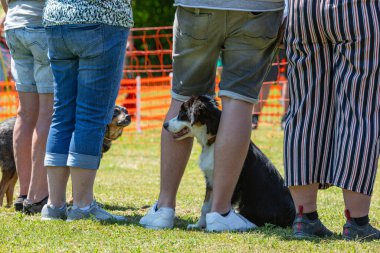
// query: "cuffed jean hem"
[[26, 88], [83, 161], [233, 95], [55, 160], [47, 88]]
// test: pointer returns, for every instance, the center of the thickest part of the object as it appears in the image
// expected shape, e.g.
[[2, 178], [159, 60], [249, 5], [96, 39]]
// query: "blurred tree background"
[[148, 13]]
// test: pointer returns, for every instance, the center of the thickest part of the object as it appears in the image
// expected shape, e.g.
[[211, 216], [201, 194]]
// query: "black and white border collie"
[[260, 195]]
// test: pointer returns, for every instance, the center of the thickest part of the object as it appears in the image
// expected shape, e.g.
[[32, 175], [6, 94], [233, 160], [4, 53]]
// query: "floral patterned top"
[[110, 12]]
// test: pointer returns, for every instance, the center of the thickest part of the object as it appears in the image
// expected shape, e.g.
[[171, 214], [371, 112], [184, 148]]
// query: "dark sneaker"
[[255, 121], [303, 227], [19, 203], [33, 208], [352, 231], [49, 212]]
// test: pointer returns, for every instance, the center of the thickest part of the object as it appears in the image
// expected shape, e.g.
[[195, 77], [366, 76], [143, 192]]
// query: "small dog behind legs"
[[114, 130]]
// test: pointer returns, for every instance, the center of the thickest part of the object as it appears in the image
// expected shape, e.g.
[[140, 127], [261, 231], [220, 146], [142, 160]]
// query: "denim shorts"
[[244, 40], [30, 64], [87, 63]]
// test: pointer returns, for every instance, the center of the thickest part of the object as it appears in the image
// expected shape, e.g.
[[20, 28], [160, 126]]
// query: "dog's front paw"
[[195, 226], [201, 224]]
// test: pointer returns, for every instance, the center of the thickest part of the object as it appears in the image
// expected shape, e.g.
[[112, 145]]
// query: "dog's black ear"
[[198, 112], [212, 113]]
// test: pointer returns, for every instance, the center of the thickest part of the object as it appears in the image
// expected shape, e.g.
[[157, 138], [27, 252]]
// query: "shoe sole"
[[230, 230], [94, 219], [50, 218], [155, 227], [306, 236], [18, 207]]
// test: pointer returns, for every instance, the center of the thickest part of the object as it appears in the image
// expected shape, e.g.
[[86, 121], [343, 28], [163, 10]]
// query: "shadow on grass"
[[120, 208], [268, 231], [286, 234]]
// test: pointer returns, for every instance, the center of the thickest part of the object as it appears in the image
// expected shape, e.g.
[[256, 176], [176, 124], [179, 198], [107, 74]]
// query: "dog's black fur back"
[[260, 193]]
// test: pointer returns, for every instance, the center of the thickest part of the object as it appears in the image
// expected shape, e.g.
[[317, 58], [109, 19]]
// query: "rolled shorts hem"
[[179, 97], [83, 161], [55, 160], [26, 88], [233, 95], [45, 88]]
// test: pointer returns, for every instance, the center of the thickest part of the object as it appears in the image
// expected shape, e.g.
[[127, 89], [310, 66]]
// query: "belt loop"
[[197, 11]]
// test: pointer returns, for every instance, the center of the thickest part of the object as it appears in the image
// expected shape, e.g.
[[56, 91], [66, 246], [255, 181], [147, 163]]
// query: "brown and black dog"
[[114, 130]]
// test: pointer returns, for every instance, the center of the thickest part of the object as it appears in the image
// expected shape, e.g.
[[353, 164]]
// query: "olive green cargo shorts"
[[245, 41]]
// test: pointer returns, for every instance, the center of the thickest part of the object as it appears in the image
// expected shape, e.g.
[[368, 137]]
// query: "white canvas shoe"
[[162, 218], [232, 222]]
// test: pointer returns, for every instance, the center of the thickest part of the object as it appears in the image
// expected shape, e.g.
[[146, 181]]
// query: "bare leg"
[[358, 204], [38, 188], [57, 181], [231, 147], [257, 108], [83, 186], [174, 157], [305, 196], [27, 114]]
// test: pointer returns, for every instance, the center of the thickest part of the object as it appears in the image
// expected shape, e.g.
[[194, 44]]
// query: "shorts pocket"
[[262, 28], [38, 45], [192, 25], [10, 38]]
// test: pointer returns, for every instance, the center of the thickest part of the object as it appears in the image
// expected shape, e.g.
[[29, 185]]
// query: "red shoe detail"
[[347, 214], [300, 211]]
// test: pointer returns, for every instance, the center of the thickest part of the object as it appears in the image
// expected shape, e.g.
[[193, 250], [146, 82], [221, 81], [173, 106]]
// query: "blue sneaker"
[[49, 212], [94, 212]]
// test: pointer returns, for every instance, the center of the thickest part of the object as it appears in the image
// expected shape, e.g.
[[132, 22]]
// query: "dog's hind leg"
[[11, 188], [4, 183]]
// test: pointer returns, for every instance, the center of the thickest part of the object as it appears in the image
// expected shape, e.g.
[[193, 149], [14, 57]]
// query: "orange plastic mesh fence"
[[145, 88], [149, 52]]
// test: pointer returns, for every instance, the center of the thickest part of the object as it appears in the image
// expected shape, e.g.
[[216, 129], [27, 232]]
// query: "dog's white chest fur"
[[206, 162]]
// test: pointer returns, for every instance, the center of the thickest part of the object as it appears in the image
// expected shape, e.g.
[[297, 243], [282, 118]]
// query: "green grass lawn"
[[128, 181]]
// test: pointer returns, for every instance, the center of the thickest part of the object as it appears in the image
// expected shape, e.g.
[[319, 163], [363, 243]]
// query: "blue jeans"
[[87, 63]]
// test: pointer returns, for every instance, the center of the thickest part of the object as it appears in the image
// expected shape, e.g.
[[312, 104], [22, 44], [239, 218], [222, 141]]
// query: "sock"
[[361, 221], [58, 208], [312, 215], [85, 208], [225, 214], [23, 196]]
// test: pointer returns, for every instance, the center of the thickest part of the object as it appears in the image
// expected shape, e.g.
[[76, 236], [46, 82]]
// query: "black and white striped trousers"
[[332, 133]]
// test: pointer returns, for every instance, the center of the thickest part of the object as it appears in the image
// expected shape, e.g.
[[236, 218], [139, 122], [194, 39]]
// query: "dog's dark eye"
[[182, 116]]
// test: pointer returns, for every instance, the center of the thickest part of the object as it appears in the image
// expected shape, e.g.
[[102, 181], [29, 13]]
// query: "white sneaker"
[[232, 222], [163, 218]]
